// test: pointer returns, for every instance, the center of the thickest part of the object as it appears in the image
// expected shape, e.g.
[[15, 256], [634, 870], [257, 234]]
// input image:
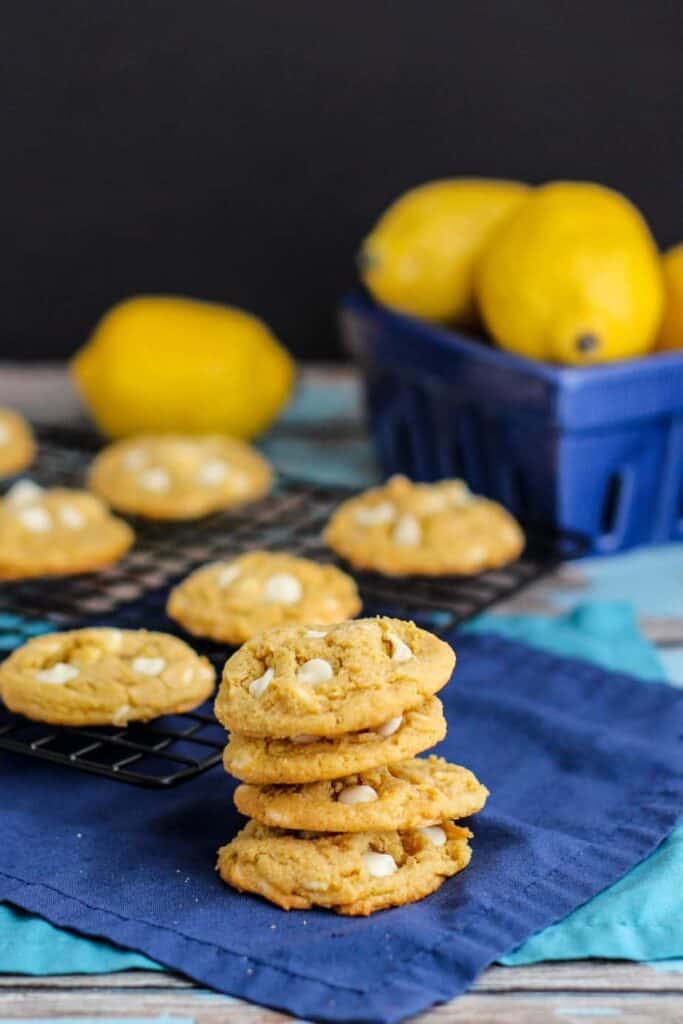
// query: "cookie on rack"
[[232, 601], [57, 531], [405, 528], [353, 873], [179, 477], [409, 795], [306, 758], [104, 676], [331, 680], [17, 446]]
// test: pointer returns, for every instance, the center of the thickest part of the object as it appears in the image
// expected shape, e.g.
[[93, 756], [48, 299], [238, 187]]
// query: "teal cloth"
[[637, 918]]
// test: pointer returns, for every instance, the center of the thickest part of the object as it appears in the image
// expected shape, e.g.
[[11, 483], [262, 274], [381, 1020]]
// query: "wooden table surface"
[[577, 992]]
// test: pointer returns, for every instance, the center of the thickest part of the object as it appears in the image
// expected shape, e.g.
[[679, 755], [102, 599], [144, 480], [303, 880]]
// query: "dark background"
[[238, 151]]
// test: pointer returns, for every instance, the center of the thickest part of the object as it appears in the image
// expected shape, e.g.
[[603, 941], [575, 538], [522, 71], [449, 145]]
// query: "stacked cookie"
[[324, 725]]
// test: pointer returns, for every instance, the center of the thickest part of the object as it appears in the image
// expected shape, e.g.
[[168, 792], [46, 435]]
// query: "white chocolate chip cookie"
[[358, 675], [307, 758], [353, 873], [103, 676], [403, 528], [232, 601], [57, 532], [177, 477], [412, 794]]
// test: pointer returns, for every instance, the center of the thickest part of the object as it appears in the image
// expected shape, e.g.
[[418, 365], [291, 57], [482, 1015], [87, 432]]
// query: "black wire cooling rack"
[[133, 593]]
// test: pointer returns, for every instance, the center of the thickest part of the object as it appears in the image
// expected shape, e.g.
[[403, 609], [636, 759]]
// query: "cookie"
[[17, 447], [176, 477], [57, 532], [353, 873], [311, 758], [327, 681], [232, 601], [103, 676], [409, 795], [437, 529]]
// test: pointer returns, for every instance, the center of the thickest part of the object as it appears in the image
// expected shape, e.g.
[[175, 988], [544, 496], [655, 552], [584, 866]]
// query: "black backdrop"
[[238, 150]]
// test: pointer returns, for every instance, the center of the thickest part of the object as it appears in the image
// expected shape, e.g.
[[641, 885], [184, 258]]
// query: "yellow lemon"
[[671, 331], [159, 364], [572, 276], [419, 258]]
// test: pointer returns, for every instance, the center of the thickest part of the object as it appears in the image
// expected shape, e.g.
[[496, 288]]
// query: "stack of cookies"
[[324, 724]]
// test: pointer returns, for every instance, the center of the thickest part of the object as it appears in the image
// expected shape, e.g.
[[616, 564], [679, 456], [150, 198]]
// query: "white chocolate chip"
[[458, 493], [407, 531], [390, 727], [148, 666], [282, 588], [112, 639], [315, 634], [357, 795], [71, 517], [303, 739], [35, 518], [315, 671], [120, 716], [260, 685], [379, 865], [435, 834], [399, 650], [212, 472], [57, 674], [155, 479], [135, 459], [24, 492], [375, 515], [228, 575], [314, 886]]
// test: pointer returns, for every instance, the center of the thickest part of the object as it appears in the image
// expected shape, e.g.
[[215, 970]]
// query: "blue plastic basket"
[[598, 450]]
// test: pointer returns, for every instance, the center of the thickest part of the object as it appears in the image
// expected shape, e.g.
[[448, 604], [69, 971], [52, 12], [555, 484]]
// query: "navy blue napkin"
[[585, 769]]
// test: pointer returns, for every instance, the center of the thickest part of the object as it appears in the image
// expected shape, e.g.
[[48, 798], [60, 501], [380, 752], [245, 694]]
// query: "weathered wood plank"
[[475, 1008], [571, 976]]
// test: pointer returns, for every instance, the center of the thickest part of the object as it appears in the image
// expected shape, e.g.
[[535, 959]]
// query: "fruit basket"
[[597, 450]]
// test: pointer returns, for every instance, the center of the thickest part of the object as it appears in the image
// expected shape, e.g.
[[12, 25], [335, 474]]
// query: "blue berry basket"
[[596, 450]]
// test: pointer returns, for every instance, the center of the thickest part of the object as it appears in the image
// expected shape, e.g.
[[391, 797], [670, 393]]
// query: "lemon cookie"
[[306, 758], [176, 477], [402, 796], [232, 601], [17, 447], [327, 681], [103, 676], [352, 873], [57, 532], [436, 529]]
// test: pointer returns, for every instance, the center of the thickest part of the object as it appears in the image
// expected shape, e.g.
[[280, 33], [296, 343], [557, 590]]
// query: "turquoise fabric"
[[30, 945], [638, 918], [602, 632]]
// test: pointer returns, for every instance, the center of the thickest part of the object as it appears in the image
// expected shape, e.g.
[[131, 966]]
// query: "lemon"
[[159, 364], [671, 331], [419, 258], [572, 276]]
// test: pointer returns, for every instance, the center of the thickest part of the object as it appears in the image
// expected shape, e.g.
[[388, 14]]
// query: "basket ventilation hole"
[[521, 499], [404, 456], [457, 459], [610, 505]]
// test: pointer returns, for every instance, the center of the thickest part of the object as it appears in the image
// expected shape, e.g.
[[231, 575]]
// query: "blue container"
[[598, 450]]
